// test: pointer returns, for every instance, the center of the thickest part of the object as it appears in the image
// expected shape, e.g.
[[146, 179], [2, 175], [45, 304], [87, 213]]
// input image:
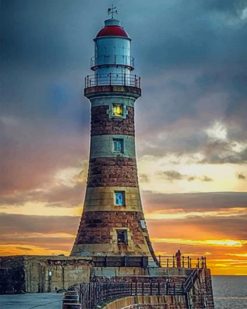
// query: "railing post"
[[110, 78], [89, 295], [125, 260]]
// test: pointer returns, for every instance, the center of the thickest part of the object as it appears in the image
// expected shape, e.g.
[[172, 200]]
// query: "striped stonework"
[[104, 172], [113, 221]]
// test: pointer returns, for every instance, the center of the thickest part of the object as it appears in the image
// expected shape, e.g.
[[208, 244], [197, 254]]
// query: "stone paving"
[[31, 301]]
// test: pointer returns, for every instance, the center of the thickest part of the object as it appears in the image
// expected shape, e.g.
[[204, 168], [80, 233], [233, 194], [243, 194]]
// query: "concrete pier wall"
[[36, 274]]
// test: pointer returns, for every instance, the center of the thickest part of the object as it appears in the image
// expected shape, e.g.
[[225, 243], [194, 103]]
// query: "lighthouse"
[[112, 222]]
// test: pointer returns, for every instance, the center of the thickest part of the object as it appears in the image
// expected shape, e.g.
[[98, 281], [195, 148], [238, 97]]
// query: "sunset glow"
[[190, 126]]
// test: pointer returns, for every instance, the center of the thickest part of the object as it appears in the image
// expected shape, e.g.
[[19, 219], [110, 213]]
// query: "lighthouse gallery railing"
[[113, 79]]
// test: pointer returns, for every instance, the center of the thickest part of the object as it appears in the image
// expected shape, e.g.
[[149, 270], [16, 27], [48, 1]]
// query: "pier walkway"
[[31, 301]]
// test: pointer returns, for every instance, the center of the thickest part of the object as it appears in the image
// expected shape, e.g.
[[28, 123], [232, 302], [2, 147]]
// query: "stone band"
[[102, 199], [97, 226], [110, 172], [102, 146]]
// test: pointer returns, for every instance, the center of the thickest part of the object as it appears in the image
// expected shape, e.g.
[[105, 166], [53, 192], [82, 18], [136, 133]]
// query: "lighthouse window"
[[122, 237], [143, 224], [119, 198], [118, 145], [117, 110]]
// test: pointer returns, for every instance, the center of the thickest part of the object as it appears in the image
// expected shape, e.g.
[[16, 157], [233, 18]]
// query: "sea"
[[230, 292]]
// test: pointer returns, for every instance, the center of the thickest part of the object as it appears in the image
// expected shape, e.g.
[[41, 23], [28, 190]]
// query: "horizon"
[[190, 124]]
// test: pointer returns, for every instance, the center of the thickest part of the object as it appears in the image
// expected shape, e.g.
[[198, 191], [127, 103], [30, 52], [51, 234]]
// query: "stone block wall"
[[100, 227], [34, 274], [12, 275], [107, 172]]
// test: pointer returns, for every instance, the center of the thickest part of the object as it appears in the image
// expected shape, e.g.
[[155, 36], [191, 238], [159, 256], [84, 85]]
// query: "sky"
[[190, 123]]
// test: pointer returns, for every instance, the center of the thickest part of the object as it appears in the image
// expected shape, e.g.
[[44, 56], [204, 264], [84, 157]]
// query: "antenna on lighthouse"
[[112, 11]]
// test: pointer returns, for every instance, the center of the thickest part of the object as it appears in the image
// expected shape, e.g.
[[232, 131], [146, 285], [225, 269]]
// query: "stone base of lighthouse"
[[98, 231]]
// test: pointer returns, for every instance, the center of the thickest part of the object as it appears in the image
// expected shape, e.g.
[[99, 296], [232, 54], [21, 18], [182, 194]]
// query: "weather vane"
[[112, 11]]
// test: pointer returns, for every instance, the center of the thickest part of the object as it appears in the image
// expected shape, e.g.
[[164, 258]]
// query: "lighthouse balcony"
[[112, 83], [113, 60]]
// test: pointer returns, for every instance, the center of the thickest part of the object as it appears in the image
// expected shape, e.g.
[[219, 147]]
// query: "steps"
[[71, 300]]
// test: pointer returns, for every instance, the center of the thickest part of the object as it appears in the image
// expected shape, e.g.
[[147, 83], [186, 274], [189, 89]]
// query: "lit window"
[[117, 110], [122, 237], [119, 198], [118, 145]]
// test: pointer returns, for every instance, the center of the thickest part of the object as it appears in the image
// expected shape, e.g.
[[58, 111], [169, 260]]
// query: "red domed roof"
[[112, 31]]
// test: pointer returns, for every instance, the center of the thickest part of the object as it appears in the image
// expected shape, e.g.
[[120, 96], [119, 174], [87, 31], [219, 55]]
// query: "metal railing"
[[113, 60], [95, 293], [120, 261], [183, 262], [112, 79], [144, 261], [189, 282], [104, 290]]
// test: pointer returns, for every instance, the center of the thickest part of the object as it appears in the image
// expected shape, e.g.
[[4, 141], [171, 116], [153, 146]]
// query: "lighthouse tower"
[[112, 222]]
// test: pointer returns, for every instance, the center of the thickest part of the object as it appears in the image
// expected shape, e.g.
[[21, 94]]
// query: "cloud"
[[224, 152], [200, 228], [206, 179], [44, 230], [241, 176], [32, 154], [194, 201], [22, 224], [191, 119], [23, 248], [143, 178], [59, 196], [174, 175], [190, 75]]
